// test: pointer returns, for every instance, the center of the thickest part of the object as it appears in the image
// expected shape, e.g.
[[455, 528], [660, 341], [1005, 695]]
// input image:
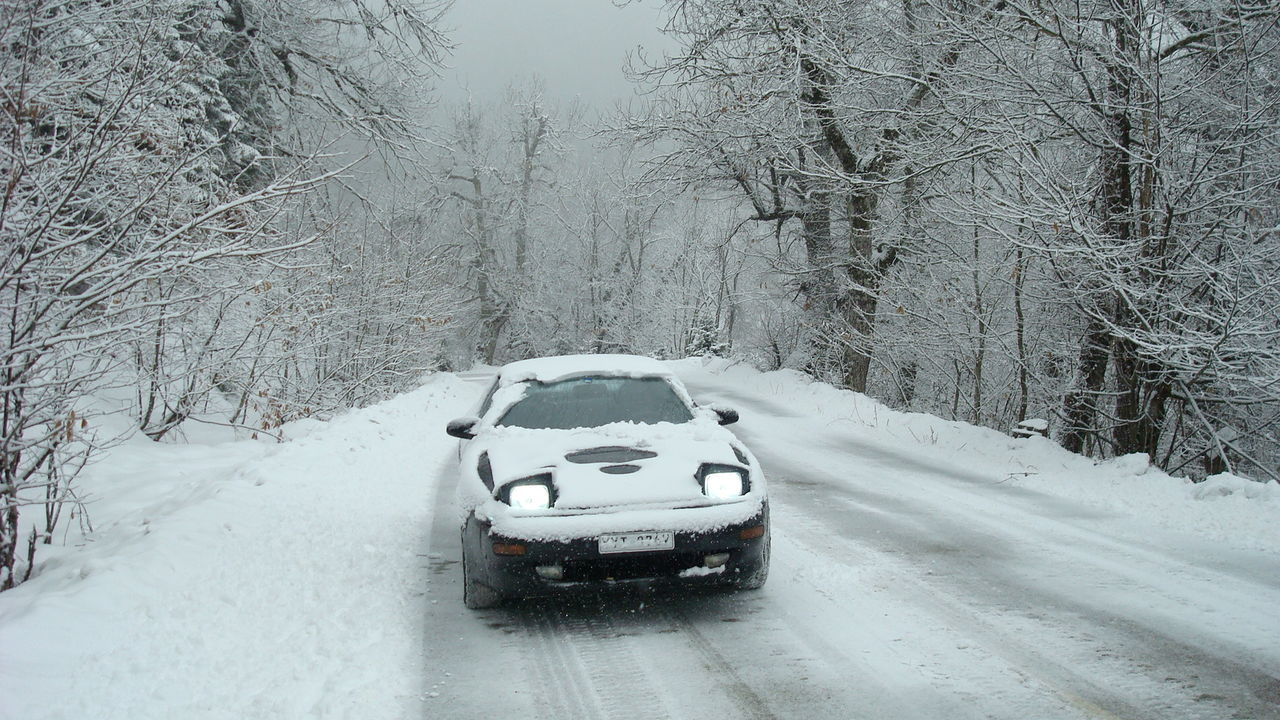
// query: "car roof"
[[561, 367]]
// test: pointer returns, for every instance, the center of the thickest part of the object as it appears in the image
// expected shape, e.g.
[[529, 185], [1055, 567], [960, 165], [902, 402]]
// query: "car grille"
[[629, 568]]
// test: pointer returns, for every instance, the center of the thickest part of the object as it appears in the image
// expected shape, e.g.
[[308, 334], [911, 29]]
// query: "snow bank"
[[1234, 511], [241, 580]]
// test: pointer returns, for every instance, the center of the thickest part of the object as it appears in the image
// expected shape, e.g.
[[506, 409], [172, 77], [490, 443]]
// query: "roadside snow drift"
[[1238, 512], [241, 580]]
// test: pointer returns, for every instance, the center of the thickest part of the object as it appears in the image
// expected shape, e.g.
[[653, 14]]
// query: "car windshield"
[[594, 401]]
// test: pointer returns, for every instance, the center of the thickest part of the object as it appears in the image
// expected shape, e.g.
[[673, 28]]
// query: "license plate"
[[636, 542]]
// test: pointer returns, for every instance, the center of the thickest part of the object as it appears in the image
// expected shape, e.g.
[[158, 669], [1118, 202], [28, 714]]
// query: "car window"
[[595, 401]]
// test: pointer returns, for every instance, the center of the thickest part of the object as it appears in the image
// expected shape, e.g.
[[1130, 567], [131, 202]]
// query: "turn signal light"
[[508, 549], [751, 533]]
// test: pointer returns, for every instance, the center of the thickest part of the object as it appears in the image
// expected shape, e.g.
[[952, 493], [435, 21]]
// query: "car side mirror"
[[463, 428], [728, 416]]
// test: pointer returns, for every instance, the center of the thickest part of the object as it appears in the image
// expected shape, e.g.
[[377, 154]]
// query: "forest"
[[249, 212]]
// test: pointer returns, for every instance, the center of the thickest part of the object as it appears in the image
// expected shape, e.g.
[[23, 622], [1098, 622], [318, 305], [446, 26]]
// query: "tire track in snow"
[[622, 683], [1042, 686], [749, 703], [1126, 671], [1101, 621], [563, 688], [474, 659], [586, 666]]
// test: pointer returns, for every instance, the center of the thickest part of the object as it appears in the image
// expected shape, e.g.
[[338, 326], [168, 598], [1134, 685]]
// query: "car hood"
[[617, 465]]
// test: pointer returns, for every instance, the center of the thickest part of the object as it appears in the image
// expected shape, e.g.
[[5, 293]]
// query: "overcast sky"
[[578, 47]]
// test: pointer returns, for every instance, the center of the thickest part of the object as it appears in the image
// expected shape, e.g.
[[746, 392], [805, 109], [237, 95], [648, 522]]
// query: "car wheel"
[[755, 579], [475, 594]]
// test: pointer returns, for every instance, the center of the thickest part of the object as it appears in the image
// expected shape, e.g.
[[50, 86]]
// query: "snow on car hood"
[[633, 464]]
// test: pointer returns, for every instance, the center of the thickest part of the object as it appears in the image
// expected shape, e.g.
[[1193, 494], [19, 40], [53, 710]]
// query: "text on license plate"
[[636, 542]]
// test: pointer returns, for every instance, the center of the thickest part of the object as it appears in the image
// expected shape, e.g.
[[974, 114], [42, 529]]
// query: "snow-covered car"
[[600, 470]]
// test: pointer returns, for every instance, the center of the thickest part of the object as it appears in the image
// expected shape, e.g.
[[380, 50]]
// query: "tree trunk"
[[980, 316], [1080, 407], [1140, 401], [859, 302], [1020, 324], [533, 131], [492, 316], [820, 282]]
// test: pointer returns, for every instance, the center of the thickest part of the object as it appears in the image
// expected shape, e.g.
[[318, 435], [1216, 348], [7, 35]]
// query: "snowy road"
[[902, 587], [921, 569]]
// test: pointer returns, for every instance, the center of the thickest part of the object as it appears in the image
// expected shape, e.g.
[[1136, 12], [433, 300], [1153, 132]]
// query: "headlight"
[[531, 497], [721, 485], [721, 482], [534, 493]]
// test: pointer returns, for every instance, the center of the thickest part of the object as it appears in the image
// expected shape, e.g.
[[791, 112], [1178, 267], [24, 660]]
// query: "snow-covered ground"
[[242, 580], [921, 569]]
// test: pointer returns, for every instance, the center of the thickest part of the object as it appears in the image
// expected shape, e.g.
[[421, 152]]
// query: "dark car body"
[[598, 470]]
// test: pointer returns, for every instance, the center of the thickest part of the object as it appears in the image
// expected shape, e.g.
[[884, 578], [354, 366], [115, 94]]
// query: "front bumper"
[[577, 562]]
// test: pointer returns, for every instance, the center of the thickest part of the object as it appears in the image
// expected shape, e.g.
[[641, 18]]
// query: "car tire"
[[755, 579], [475, 594]]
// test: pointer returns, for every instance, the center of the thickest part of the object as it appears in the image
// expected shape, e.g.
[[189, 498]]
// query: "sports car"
[[600, 470]]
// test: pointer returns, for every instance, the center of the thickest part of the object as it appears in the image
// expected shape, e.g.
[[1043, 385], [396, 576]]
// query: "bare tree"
[[1149, 124], [140, 201], [814, 111]]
